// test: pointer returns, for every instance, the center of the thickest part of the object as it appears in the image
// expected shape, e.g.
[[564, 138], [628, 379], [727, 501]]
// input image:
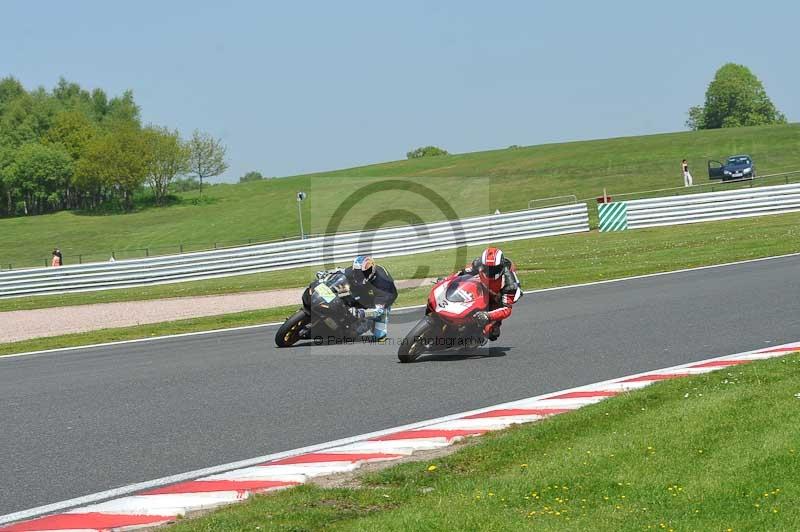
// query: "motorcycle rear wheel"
[[289, 333], [413, 345]]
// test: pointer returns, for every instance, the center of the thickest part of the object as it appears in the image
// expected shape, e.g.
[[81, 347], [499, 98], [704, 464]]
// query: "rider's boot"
[[380, 328]]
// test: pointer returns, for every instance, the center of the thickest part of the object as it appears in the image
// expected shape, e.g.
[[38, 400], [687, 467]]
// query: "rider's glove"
[[357, 312], [321, 274], [482, 318]]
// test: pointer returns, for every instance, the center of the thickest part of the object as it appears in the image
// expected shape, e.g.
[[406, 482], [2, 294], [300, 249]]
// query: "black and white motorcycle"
[[326, 313]]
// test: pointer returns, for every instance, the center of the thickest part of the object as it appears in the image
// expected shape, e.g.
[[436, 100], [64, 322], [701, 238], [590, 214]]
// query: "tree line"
[[71, 148]]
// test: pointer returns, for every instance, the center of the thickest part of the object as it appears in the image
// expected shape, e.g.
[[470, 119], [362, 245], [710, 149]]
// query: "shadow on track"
[[473, 354], [440, 356], [334, 343]]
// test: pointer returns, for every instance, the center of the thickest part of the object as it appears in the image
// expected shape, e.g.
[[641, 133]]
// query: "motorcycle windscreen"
[[338, 284], [463, 290]]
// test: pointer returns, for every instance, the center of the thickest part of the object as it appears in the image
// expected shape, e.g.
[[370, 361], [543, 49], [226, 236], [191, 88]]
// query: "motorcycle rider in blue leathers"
[[373, 290]]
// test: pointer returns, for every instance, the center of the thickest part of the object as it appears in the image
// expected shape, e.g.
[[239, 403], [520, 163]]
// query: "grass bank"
[[706, 453], [471, 183]]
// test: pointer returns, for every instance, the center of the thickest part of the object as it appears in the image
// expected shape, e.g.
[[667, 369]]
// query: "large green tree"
[[168, 158], [10, 89], [735, 97], [122, 109], [6, 190], [26, 118], [38, 178], [119, 159], [73, 130]]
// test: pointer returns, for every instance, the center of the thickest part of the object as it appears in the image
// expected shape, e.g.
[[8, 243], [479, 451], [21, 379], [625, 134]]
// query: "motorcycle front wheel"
[[289, 332], [413, 345]]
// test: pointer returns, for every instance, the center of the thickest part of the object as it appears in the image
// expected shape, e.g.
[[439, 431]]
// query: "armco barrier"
[[291, 254], [706, 207], [713, 206]]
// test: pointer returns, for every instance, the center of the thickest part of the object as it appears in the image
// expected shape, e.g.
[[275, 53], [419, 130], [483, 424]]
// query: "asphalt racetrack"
[[78, 422]]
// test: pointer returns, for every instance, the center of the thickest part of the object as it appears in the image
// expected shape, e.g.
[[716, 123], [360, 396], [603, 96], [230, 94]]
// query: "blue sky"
[[295, 87]]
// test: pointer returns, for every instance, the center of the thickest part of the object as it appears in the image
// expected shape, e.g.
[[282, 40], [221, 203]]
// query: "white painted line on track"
[[139, 340], [399, 310]]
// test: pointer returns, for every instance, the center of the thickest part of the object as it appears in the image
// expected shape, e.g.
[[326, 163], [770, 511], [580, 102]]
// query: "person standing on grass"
[[57, 258], [687, 177]]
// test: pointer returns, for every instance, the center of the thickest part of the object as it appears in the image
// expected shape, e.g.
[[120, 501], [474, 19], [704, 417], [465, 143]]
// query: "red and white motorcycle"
[[449, 321]]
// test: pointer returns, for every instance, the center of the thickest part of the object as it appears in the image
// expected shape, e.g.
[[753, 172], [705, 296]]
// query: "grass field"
[[501, 179], [707, 453]]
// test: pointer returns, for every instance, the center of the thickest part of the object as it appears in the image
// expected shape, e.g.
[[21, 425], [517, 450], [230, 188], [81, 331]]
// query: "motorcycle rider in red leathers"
[[498, 275]]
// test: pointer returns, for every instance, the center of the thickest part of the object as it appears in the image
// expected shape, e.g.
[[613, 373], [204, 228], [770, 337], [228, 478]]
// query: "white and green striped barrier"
[[613, 216], [693, 208]]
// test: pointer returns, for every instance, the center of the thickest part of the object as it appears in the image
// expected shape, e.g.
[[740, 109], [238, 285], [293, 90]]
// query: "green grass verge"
[[715, 452], [542, 263], [506, 179]]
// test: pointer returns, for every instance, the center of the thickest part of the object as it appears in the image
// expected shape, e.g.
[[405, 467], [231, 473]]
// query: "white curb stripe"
[[170, 504], [260, 473], [404, 447]]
